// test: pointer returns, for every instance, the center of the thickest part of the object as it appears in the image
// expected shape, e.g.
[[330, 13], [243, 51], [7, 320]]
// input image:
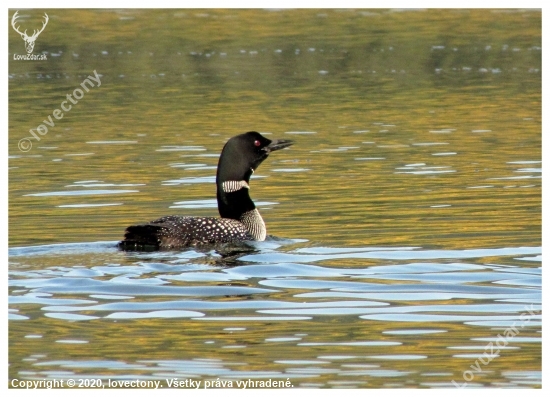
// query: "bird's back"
[[183, 231]]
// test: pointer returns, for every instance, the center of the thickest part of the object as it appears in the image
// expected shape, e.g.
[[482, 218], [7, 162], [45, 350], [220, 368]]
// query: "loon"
[[240, 219]]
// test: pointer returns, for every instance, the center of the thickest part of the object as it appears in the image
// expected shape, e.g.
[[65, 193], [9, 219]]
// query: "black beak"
[[278, 144]]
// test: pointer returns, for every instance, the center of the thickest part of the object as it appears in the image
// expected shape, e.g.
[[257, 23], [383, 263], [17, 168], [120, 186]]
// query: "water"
[[405, 221], [314, 315]]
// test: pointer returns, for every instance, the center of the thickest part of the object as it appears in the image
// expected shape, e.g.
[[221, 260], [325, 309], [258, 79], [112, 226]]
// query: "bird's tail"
[[141, 238]]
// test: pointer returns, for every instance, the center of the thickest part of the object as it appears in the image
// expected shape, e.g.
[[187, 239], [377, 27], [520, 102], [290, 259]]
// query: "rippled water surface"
[[405, 222]]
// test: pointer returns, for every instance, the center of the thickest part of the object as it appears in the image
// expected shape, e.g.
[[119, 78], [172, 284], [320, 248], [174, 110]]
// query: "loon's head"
[[240, 157], [243, 153]]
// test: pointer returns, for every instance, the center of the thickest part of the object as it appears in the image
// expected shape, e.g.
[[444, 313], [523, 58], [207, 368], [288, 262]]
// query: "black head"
[[240, 157], [243, 153]]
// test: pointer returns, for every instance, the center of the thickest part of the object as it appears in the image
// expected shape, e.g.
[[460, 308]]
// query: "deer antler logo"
[[29, 41]]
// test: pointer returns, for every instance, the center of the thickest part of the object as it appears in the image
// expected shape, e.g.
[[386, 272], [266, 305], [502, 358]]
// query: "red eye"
[[257, 143]]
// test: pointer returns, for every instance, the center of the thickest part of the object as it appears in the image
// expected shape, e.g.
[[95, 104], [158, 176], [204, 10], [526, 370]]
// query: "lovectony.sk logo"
[[29, 40]]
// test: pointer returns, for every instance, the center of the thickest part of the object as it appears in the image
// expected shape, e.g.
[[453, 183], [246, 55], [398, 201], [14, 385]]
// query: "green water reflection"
[[383, 84]]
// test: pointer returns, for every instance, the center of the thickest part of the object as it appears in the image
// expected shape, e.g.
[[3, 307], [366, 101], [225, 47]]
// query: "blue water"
[[460, 300]]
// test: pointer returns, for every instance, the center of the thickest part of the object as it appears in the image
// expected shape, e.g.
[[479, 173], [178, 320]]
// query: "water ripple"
[[261, 291]]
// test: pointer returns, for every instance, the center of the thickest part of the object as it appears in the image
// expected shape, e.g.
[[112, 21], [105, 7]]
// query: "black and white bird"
[[240, 219]]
